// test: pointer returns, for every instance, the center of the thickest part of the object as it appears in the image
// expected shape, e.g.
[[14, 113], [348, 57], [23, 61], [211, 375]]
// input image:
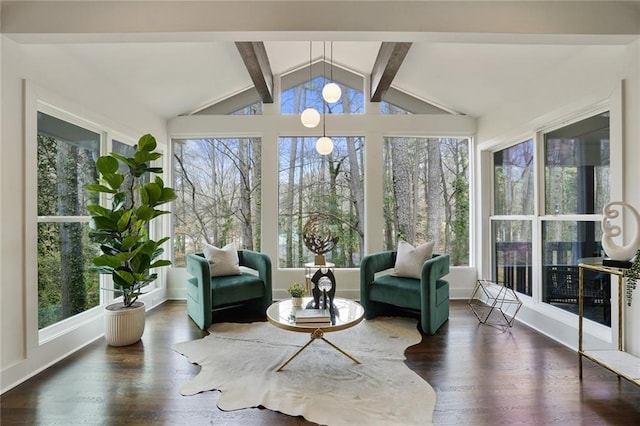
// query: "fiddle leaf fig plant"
[[128, 254]]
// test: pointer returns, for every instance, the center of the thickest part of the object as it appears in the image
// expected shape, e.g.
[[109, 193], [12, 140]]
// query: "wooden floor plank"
[[482, 375]]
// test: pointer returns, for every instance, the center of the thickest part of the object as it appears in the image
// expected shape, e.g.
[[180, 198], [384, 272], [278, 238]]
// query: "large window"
[[217, 182], [426, 194], [66, 154], [512, 224], [574, 176], [576, 183], [577, 167], [309, 94], [330, 185]]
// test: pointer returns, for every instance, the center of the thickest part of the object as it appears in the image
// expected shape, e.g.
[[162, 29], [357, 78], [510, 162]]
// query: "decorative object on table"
[[380, 390], [310, 268], [128, 253], [620, 257], [297, 291], [318, 237], [324, 289], [313, 317], [610, 231], [632, 275]]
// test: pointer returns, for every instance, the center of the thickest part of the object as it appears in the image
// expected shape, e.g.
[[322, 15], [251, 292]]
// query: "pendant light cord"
[[331, 64], [324, 80], [310, 74]]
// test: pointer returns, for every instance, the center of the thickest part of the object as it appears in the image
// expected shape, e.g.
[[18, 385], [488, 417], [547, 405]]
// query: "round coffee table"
[[282, 314]]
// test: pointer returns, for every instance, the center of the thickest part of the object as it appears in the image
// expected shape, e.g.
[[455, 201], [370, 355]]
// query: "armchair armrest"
[[198, 266], [432, 270], [435, 268], [373, 263], [259, 262]]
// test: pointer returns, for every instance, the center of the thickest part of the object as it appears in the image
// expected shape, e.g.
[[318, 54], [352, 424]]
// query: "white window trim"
[[614, 106], [38, 99]]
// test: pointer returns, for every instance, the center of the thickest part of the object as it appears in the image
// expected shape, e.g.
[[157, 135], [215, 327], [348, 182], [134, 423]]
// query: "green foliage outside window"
[[66, 287]]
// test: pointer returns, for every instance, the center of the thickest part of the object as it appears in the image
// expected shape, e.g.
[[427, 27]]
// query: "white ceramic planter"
[[124, 326]]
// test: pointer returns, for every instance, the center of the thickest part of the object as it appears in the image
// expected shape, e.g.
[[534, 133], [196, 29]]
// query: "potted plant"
[[632, 275], [297, 291], [128, 254]]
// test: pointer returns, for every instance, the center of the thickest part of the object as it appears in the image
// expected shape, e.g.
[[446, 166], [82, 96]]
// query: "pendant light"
[[310, 116], [331, 92], [324, 144]]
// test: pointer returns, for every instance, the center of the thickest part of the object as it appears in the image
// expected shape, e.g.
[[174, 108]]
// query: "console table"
[[622, 363]]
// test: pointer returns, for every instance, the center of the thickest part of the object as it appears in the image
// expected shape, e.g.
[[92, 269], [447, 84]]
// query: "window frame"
[[37, 100], [540, 217]]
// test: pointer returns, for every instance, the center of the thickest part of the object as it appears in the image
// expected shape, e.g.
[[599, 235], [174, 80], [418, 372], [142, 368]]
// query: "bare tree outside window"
[[426, 194], [217, 182], [331, 185]]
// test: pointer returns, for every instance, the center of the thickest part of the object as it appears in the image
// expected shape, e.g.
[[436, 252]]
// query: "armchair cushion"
[[410, 259], [404, 292], [222, 261]]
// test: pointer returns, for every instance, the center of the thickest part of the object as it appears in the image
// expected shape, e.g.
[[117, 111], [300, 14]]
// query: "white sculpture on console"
[[610, 231]]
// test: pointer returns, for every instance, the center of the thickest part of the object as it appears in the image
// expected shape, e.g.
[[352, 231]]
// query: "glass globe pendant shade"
[[331, 93], [324, 145], [310, 117]]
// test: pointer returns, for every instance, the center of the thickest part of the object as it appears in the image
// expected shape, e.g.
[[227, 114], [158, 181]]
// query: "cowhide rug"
[[321, 384]]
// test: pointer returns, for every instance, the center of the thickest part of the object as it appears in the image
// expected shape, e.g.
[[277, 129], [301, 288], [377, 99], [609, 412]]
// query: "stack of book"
[[313, 317]]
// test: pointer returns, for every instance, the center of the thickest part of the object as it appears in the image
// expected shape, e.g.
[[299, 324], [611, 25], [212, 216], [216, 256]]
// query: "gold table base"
[[318, 334]]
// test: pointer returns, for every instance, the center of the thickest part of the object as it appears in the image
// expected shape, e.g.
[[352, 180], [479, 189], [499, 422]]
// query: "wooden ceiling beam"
[[255, 59], [390, 57]]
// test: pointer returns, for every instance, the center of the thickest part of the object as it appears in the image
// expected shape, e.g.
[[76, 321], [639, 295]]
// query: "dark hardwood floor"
[[482, 376]]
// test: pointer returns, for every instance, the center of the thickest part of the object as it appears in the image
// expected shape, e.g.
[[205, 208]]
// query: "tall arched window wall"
[[348, 185]]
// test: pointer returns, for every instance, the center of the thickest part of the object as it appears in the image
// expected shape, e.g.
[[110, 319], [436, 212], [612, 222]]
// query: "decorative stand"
[[324, 290], [491, 299], [310, 269]]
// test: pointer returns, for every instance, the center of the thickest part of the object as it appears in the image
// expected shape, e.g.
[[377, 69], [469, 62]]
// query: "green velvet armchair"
[[429, 295], [206, 294]]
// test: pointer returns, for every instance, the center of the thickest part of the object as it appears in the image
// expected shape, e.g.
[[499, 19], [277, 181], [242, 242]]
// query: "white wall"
[[596, 75], [69, 84]]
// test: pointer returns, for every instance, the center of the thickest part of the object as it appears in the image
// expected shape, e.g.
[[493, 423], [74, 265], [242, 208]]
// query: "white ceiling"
[[182, 70], [175, 78]]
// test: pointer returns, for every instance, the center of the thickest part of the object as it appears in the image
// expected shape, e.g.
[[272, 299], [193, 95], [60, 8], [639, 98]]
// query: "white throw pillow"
[[409, 259], [222, 261]]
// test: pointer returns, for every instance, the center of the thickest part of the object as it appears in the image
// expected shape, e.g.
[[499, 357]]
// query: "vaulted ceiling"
[[463, 56]]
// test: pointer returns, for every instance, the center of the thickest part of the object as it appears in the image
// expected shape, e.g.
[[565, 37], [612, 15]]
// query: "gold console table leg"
[[317, 334]]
